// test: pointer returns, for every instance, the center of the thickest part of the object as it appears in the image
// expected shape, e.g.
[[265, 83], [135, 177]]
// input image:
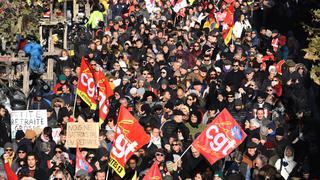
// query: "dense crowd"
[[175, 73]]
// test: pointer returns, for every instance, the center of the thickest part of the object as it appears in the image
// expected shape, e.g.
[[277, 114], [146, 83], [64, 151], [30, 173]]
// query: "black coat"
[[170, 129]]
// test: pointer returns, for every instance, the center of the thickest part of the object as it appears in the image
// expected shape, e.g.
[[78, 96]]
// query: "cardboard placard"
[[85, 135], [28, 119]]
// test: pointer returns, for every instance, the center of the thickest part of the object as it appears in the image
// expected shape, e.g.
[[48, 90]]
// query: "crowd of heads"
[[175, 74]]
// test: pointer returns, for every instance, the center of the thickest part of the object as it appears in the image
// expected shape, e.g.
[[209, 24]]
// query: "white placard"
[[28, 119]]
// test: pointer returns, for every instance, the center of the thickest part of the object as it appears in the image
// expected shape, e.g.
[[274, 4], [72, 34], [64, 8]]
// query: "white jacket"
[[285, 170], [239, 26]]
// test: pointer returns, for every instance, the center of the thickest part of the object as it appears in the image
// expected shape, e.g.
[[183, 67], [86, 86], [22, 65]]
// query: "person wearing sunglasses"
[[20, 159], [9, 153]]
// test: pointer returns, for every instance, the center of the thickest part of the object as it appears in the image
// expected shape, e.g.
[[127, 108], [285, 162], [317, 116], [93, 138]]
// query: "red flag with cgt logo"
[[129, 137], [220, 137]]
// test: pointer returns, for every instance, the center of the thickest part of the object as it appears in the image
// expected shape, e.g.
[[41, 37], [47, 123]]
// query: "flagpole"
[[184, 153]]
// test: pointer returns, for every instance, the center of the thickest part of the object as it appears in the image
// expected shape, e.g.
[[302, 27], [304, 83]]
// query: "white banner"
[[28, 119]]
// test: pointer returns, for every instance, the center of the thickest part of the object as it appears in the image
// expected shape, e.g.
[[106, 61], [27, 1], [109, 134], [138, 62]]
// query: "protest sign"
[[85, 135], [56, 134], [27, 119]]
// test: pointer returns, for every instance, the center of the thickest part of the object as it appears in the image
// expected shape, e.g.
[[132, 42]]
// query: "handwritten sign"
[[86, 135], [28, 119]]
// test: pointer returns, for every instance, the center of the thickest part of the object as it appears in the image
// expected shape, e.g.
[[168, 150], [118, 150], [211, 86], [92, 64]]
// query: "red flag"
[[220, 137], [81, 163], [153, 173], [105, 92], [228, 24], [86, 85], [129, 137]]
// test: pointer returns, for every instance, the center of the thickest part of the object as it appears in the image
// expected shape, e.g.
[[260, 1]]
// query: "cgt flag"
[[129, 137], [105, 92], [220, 137], [153, 173], [86, 86]]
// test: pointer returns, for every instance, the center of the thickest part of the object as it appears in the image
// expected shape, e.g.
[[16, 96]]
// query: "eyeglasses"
[[21, 152], [58, 152], [9, 149], [159, 154]]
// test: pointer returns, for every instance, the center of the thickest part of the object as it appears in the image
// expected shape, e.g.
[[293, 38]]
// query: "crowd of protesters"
[[175, 76]]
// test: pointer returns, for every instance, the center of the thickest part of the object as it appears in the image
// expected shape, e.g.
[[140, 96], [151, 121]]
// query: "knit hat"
[[290, 63], [8, 145], [19, 134], [280, 131], [62, 77], [22, 148], [30, 134]]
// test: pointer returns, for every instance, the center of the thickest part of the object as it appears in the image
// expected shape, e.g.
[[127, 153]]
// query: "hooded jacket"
[[286, 164]]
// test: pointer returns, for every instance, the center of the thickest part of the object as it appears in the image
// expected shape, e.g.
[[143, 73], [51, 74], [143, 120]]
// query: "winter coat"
[[170, 129], [286, 164]]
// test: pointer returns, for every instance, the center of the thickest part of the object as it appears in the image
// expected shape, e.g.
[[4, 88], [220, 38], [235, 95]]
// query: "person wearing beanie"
[[21, 158], [9, 153], [281, 142]]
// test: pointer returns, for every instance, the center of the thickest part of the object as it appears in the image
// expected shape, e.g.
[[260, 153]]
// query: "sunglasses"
[[93, 64], [59, 152], [21, 152], [195, 69], [58, 178], [90, 157], [269, 90], [236, 65], [159, 154], [176, 144], [9, 149]]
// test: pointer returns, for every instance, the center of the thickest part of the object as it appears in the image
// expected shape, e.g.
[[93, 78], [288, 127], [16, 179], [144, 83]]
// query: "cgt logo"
[[123, 147], [219, 141]]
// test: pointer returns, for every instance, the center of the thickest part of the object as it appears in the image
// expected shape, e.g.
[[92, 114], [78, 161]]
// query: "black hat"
[[203, 69], [280, 131], [22, 148], [248, 70], [251, 144], [146, 108], [169, 105], [19, 134], [178, 113], [197, 82]]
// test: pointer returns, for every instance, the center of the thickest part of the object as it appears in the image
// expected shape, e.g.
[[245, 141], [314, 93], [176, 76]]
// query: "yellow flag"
[[228, 37], [191, 1]]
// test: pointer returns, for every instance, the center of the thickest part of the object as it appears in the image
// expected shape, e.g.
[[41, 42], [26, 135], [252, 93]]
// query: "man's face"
[[252, 151], [9, 151], [155, 132], [132, 164], [101, 176], [195, 152], [31, 161], [260, 114], [178, 118]]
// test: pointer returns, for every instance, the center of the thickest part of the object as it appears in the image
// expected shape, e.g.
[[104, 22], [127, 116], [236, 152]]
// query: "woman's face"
[[194, 118]]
